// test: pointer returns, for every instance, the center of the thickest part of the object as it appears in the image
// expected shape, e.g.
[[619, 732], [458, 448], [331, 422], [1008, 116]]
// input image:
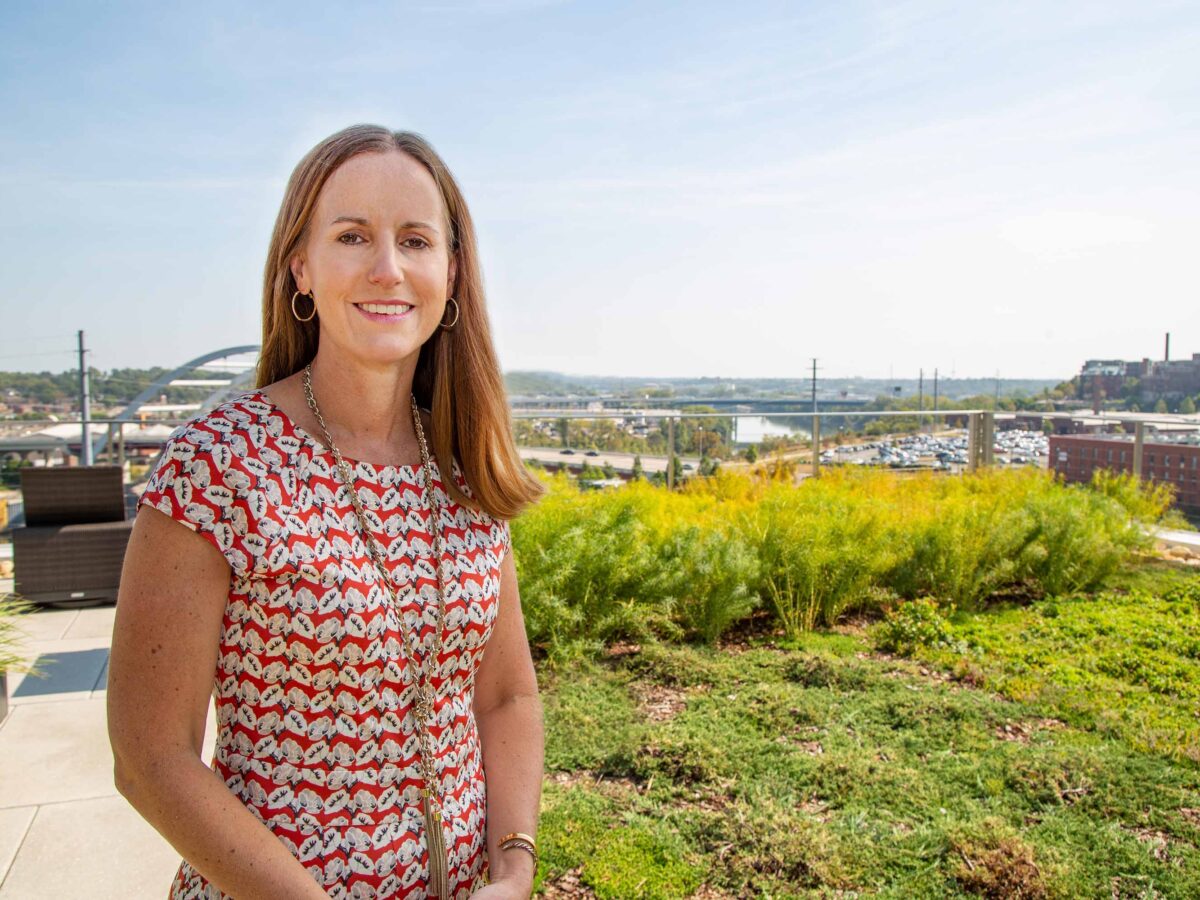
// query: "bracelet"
[[524, 842]]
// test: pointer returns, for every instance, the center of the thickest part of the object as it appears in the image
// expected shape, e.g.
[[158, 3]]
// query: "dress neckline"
[[318, 446]]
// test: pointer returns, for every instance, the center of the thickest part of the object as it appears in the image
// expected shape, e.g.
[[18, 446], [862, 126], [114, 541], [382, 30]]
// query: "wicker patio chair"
[[72, 547]]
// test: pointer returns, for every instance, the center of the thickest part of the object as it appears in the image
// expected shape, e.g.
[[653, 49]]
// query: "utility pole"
[[920, 400], [996, 394], [814, 385], [85, 451]]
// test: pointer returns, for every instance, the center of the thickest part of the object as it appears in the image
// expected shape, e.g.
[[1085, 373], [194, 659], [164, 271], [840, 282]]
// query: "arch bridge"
[[234, 363]]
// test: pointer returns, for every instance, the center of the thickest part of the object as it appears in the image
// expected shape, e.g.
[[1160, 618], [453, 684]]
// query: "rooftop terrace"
[[64, 829]]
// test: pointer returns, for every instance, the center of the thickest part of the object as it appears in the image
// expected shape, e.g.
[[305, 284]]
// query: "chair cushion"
[[64, 495], [69, 558]]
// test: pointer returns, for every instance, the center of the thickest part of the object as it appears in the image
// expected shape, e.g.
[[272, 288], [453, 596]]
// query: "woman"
[[367, 745]]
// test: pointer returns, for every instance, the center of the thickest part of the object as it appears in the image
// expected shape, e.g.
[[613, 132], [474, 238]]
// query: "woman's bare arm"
[[508, 714], [174, 588]]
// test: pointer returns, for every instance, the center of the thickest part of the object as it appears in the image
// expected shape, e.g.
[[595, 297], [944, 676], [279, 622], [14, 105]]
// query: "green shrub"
[[1147, 502], [818, 557], [972, 548], [709, 577], [584, 561], [916, 625]]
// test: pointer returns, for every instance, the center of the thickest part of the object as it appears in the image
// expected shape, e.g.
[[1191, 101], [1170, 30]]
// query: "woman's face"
[[377, 259]]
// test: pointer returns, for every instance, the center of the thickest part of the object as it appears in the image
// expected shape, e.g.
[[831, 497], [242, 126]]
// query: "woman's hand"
[[504, 889]]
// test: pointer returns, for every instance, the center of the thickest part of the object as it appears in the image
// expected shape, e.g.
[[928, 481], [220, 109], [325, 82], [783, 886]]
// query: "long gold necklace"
[[439, 880]]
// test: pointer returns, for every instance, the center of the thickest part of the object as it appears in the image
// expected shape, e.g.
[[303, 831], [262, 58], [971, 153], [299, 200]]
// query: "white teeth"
[[387, 309]]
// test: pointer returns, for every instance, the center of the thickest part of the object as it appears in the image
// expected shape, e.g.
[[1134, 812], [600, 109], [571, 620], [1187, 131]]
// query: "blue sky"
[[660, 188]]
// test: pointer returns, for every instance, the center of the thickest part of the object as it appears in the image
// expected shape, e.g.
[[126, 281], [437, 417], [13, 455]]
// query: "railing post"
[[1139, 441], [670, 452], [121, 445], [973, 429], [988, 438], [816, 445]]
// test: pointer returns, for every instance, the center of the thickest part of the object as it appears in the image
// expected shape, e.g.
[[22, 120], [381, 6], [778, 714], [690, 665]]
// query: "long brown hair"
[[458, 376]]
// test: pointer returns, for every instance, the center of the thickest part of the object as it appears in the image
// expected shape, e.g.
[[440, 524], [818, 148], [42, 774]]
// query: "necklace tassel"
[[439, 878]]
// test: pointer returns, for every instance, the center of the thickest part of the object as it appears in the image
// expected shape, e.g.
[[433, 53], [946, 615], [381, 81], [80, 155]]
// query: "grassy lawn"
[[1047, 750]]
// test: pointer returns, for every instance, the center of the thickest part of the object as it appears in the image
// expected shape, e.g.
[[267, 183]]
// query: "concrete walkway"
[[64, 829], [1177, 538]]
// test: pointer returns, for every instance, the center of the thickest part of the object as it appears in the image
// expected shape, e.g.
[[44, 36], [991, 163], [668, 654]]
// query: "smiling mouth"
[[385, 309]]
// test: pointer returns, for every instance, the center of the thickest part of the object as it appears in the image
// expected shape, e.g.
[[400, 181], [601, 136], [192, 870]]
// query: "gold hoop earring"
[[450, 327], [310, 315]]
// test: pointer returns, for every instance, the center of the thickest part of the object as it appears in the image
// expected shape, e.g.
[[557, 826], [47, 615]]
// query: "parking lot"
[[946, 451]]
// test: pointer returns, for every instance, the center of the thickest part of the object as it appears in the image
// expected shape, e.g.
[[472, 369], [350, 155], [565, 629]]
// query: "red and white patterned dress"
[[314, 698]]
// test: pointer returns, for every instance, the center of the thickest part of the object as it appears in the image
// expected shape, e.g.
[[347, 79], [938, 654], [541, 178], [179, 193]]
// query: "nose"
[[387, 266]]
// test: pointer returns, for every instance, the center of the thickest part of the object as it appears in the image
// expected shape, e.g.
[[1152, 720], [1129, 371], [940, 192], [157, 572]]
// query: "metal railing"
[[980, 428]]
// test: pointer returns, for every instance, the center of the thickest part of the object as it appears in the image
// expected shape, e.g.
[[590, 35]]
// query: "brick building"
[[1171, 379], [1075, 457], [1107, 375], [1165, 379]]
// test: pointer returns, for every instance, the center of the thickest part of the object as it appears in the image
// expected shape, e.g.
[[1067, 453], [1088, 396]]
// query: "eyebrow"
[[359, 220]]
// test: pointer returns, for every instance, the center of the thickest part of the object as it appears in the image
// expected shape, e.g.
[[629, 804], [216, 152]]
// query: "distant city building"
[[1104, 367], [1165, 379], [1075, 457], [1172, 379]]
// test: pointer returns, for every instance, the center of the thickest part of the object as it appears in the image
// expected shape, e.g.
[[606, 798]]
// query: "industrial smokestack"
[[1167, 349]]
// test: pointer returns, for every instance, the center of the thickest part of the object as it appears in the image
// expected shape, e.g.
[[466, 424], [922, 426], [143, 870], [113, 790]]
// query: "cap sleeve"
[[199, 482], [503, 535]]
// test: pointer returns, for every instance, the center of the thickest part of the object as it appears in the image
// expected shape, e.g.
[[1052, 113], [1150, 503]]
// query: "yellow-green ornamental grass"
[[642, 562], [11, 637]]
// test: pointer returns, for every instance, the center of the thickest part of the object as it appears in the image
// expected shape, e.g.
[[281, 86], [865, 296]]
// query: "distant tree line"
[[115, 387]]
